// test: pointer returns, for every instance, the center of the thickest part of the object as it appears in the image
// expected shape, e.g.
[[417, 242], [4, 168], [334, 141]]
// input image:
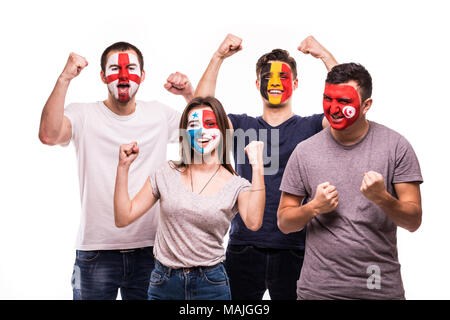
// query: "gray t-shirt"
[[345, 249], [192, 226]]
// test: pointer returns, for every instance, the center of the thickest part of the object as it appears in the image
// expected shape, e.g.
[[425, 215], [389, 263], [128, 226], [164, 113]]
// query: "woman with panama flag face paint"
[[198, 200]]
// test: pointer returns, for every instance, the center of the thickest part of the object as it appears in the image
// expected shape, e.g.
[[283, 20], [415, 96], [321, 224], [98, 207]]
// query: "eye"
[[114, 68], [132, 68], [327, 98]]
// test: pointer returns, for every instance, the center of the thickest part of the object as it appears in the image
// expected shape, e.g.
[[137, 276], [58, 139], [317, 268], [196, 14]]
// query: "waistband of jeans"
[[167, 270]]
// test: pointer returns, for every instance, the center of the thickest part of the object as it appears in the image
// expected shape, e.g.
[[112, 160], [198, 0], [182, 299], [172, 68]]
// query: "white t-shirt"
[[97, 134]]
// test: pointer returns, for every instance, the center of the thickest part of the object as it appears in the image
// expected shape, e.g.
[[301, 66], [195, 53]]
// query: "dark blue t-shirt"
[[281, 141]]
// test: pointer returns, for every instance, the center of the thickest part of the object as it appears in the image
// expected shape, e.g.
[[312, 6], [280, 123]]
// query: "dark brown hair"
[[277, 55], [222, 122], [345, 72], [121, 46]]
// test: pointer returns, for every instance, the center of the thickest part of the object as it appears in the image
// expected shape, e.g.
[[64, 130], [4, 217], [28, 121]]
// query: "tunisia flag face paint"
[[123, 75], [341, 105], [276, 82], [203, 130]]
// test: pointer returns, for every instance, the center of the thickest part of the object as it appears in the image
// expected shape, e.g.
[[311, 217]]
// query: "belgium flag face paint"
[[276, 82]]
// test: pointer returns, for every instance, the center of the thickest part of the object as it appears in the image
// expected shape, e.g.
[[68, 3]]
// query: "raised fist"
[[178, 83], [372, 186], [229, 46], [326, 198], [128, 153], [311, 46], [74, 65], [254, 152]]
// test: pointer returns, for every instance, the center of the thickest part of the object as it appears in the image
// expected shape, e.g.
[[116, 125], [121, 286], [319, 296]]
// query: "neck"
[[120, 108], [205, 162], [353, 134], [276, 116]]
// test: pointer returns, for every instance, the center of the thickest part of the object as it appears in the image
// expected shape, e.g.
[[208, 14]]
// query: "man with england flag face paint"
[[250, 254], [351, 185], [105, 253]]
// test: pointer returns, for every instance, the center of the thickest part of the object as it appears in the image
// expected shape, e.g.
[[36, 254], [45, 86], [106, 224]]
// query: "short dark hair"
[[121, 46], [345, 72], [277, 55]]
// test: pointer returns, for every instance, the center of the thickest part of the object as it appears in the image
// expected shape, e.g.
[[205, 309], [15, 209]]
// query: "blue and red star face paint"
[[276, 82], [341, 105], [123, 75], [203, 130]]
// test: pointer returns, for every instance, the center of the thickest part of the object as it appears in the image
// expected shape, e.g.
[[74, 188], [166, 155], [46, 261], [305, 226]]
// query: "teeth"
[[275, 91]]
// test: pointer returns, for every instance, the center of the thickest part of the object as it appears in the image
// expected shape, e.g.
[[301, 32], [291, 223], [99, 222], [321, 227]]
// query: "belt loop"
[[169, 271]]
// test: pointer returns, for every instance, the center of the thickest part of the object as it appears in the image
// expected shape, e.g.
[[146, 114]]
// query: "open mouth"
[[337, 117], [203, 142], [275, 92], [123, 87]]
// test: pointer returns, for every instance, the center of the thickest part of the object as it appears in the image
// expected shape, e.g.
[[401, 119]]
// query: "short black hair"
[[121, 46], [277, 55], [345, 72]]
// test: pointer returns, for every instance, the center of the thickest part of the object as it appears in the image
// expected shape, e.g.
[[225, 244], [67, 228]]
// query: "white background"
[[403, 44]]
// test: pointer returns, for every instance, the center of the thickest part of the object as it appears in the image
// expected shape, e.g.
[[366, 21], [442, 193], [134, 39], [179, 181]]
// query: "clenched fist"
[[372, 186], [128, 153], [311, 46], [326, 198], [75, 63], [254, 152], [229, 46], [178, 83]]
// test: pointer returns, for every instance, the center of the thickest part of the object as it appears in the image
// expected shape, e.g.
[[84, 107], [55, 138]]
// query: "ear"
[[102, 76], [366, 106], [143, 76], [257, 84], [295, 84]]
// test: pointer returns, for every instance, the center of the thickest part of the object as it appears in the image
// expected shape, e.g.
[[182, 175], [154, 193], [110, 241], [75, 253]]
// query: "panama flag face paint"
[[123, 75], [276, 82], [341, 105], [203, 131]]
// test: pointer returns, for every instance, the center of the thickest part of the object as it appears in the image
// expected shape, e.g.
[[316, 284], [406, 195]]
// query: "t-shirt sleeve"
[[75, 113], [316, 122], [155, 177], [237, 120], [173, 122], [293, 181], [407, 168], [243, 185]]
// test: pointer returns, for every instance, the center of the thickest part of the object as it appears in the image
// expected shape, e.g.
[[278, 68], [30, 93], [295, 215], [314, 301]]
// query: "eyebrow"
[[118, 65]]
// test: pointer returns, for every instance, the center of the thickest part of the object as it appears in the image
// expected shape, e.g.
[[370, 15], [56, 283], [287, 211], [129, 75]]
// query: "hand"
[[372, 186], [178, 83], [311, 46], [74, 65], [127, 154], [254, 152], [326, 198], [229, 46]]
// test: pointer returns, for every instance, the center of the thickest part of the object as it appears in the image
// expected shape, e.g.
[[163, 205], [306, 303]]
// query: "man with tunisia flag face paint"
[[97, 129], [352, 185]]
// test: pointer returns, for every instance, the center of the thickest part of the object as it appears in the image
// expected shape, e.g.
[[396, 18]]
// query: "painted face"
[[203, 130], [276, 82], [341, 105], [123, 75]]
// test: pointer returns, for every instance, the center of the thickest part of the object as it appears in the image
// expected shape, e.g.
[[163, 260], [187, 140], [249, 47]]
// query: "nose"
[[123, 73], [274, 82], [335, 108]]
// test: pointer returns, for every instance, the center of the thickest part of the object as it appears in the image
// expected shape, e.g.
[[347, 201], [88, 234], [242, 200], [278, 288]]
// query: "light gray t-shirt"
[[192, 226], [97, 134], [349, 250]]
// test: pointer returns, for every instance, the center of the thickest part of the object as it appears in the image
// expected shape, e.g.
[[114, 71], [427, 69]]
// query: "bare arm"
[[311, 46], [207, 84], [127, 211], [406, 211], [55, 128], [179, 84], [293, 216], [251, 203]]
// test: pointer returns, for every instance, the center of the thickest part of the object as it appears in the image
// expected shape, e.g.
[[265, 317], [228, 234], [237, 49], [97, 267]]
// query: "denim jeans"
[[99, 274], [253, 270], [198, 283]]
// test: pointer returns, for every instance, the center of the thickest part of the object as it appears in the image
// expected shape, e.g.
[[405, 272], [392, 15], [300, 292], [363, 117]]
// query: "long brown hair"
[[222, 122]]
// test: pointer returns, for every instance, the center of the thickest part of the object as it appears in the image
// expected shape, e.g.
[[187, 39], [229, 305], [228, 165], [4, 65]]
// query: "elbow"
[[45, 138], [280, 223], [255, 227], [417, 223], [120, 222]]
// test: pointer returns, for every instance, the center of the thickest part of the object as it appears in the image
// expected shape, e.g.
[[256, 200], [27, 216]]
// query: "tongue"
[[123, 90]]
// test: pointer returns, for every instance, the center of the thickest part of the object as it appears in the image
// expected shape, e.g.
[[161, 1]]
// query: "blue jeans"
[[99, 274], [198, 283], [253, 270]]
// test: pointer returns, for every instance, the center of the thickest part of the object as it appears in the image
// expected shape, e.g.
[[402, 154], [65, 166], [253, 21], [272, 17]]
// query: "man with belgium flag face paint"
[[267, 259]]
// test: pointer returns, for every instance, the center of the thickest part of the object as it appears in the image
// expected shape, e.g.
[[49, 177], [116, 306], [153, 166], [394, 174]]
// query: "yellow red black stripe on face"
[[276, 82]]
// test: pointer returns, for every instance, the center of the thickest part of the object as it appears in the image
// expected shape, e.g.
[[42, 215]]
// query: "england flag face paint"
[[203, 130], [341, 105], [123, 75]]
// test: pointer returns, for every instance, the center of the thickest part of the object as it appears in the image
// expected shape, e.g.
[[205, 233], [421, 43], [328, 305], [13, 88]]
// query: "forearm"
[[328, 60], [257, 199], [53, 112], [293, 219], [207, 84], [122, 202], [405, 214]]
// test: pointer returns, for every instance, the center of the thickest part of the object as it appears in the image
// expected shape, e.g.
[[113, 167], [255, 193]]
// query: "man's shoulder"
[[386, 134]]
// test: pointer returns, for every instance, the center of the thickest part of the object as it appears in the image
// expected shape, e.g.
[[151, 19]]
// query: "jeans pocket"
[[216, 276], [87, 256], [157, 278]]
